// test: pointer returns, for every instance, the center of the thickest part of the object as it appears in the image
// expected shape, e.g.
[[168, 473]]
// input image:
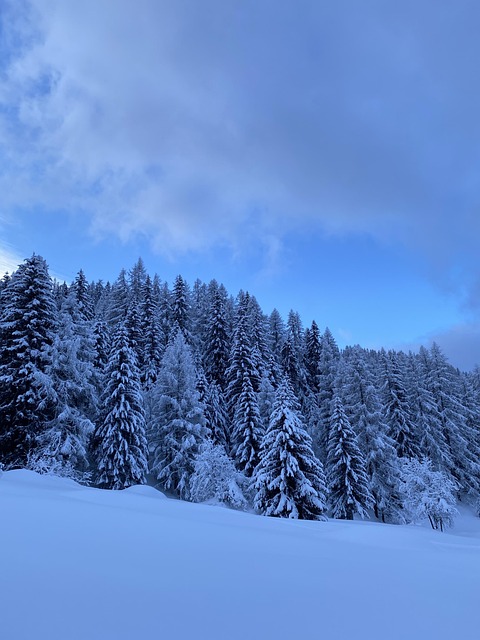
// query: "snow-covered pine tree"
[[443, 382], [119, 442], [102, 345], [62, 447], [345, 469], [102, 300], [276, 335], [396, 406], [27, 330], [326, 376], [291, 365], [313, 348], [214, 409], [181, 306], [137, 278], [178, 425], [217, 337], [431, 440], [151, 338], [363, 408], [199, 313], [163, 295], [118, 301], [257, 331], [241, 364], [83, 297], [292, 359], [266, 400], [289, 481], [247, 428]]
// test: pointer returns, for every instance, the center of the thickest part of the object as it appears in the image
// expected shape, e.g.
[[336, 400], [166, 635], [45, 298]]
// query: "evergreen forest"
[[206, 397]]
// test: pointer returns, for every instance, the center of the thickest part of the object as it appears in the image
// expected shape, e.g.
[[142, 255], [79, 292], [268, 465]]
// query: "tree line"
[[209, 398]]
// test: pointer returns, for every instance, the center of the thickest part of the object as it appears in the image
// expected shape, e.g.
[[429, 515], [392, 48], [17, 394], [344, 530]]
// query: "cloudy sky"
[[323, 155]]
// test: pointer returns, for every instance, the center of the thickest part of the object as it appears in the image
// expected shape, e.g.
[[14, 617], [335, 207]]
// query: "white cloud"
[[182, 121]]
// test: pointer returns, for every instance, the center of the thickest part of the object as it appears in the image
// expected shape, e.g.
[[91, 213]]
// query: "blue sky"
[[324, 156]]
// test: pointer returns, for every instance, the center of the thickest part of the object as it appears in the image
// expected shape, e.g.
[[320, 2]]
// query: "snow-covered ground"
[[81, 563]]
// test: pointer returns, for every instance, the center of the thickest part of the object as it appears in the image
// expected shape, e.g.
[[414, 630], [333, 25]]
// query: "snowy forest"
[[204, 396]]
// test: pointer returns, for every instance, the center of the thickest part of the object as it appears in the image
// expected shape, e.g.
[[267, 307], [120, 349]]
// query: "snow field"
[[82, 563]]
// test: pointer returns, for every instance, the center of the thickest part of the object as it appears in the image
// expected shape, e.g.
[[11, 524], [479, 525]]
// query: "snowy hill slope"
[[81, 563]]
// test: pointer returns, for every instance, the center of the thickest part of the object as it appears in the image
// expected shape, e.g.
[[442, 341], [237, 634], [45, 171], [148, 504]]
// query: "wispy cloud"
[[9, 259]]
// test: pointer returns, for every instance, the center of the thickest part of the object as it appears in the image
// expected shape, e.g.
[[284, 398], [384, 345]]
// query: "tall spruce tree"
[[217, 338], [276, 335], [346, 473], [241, 365], [83, 296], [178, 426], [119, 442], [62, 447], [329, 362], [313, 348], [151, 338], [289, 481], [118, 301], [396, 406], [181, 307], [27, 330], [443, 382], [363, 408], [247, 428]]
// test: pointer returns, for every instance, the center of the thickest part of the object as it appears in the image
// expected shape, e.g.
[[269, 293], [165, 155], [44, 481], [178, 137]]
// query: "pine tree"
[[119, 442], [217, 339], [102, 345], [257, 331], [179, 424], [291, 366], [289, 481], [181, 308], [62, 447], [431, 442], [199, 314], [83, 297], [137, 279], [313, 350], [215, 410], [27, 329], [247, 428], [276, 335], [346, 474], [363, 408], [266, 400], [327, 373], [241, 365], [118, 301], [443, 382], [396, 407], [151, 338], [164, 297]]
